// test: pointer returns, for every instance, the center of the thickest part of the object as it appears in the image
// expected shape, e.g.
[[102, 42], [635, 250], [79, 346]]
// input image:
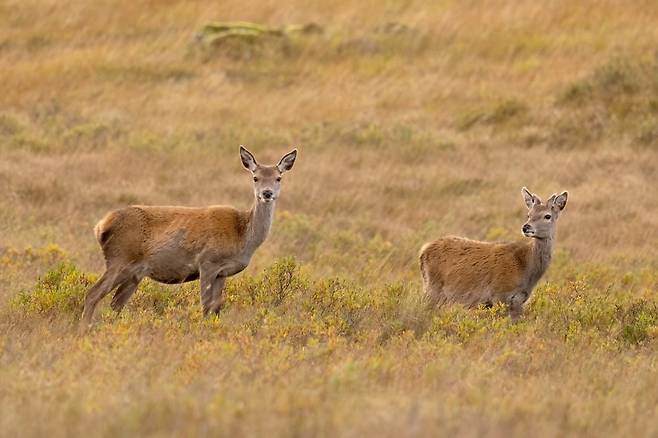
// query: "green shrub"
[[461, 324], [59, 293], [152, 297], [636, 321], [269, 289], [338, 305]]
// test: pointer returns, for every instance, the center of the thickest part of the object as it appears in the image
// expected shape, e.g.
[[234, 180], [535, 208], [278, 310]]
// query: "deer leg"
[[213, 278], [102, 287], [218, 297], [123, 293], [211, 294], [516, 305], [207, 277], [108, 281]]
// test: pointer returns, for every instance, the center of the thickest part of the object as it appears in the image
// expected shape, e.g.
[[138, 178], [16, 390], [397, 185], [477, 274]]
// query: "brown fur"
[[137, 233], [471, 272]]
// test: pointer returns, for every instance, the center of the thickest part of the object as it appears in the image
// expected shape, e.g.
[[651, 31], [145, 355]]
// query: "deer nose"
[[526, 228], [267, 194]]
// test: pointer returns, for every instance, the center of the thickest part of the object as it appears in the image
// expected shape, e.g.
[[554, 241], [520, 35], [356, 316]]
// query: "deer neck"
[[258, 225], [540, 253]]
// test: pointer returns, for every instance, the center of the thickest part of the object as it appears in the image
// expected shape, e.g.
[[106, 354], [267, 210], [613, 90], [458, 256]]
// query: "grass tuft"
[[618, 99], [499, 113]]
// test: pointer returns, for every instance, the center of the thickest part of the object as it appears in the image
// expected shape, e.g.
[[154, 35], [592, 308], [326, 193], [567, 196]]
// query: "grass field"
[[413, 120]]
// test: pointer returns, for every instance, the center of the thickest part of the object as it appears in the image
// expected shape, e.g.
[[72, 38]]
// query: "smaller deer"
[[180, 244], [470, 272]]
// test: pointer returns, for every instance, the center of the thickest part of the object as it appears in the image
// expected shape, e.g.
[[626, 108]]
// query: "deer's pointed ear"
[[529, 198], [287, 161], [559, 201], [248, 159]]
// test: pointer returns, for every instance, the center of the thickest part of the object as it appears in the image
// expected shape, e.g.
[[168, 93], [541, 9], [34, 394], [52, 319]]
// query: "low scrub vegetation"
[[286, 300], [325, 339]]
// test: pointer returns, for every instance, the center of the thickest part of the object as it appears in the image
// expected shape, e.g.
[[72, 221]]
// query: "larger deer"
[[470, 272], [180, 244]]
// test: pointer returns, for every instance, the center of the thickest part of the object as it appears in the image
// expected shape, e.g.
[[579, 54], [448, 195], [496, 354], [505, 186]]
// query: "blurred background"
[[413, 120]]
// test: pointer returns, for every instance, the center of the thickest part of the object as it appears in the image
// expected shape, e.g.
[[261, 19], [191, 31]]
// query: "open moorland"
[[413, 120]]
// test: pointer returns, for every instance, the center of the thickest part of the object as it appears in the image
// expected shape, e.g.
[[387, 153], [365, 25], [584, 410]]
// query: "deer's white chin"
[[529, 233], [266, 200]]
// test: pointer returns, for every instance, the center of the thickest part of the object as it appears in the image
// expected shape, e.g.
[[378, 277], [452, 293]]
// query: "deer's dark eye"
[[547, 217], [278, 179], [255, 179]]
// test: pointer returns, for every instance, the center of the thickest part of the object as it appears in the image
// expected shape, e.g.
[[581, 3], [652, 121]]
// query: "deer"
[[174, 245], [474, 273]]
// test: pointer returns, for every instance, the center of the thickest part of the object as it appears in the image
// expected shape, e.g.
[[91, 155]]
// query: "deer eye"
[[547, 217], [278, 179], [255, 179]]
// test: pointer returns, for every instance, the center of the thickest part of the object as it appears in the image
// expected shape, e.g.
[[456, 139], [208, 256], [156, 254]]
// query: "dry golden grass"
[[404, 135]]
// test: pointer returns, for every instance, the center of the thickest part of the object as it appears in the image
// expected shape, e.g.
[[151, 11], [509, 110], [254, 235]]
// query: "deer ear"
[[529, 198], [560, 201], [287, 161], [248, 159]]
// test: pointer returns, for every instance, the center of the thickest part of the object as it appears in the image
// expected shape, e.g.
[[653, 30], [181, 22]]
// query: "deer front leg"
[[211, 295], [213, 278], [516, 305], [218, 298], [207, 277], [231, 268]]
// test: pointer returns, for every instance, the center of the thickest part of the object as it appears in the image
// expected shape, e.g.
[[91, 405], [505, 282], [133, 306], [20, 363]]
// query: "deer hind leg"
[[110, 279], [96, 293], [123, 293], [433, 293]]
